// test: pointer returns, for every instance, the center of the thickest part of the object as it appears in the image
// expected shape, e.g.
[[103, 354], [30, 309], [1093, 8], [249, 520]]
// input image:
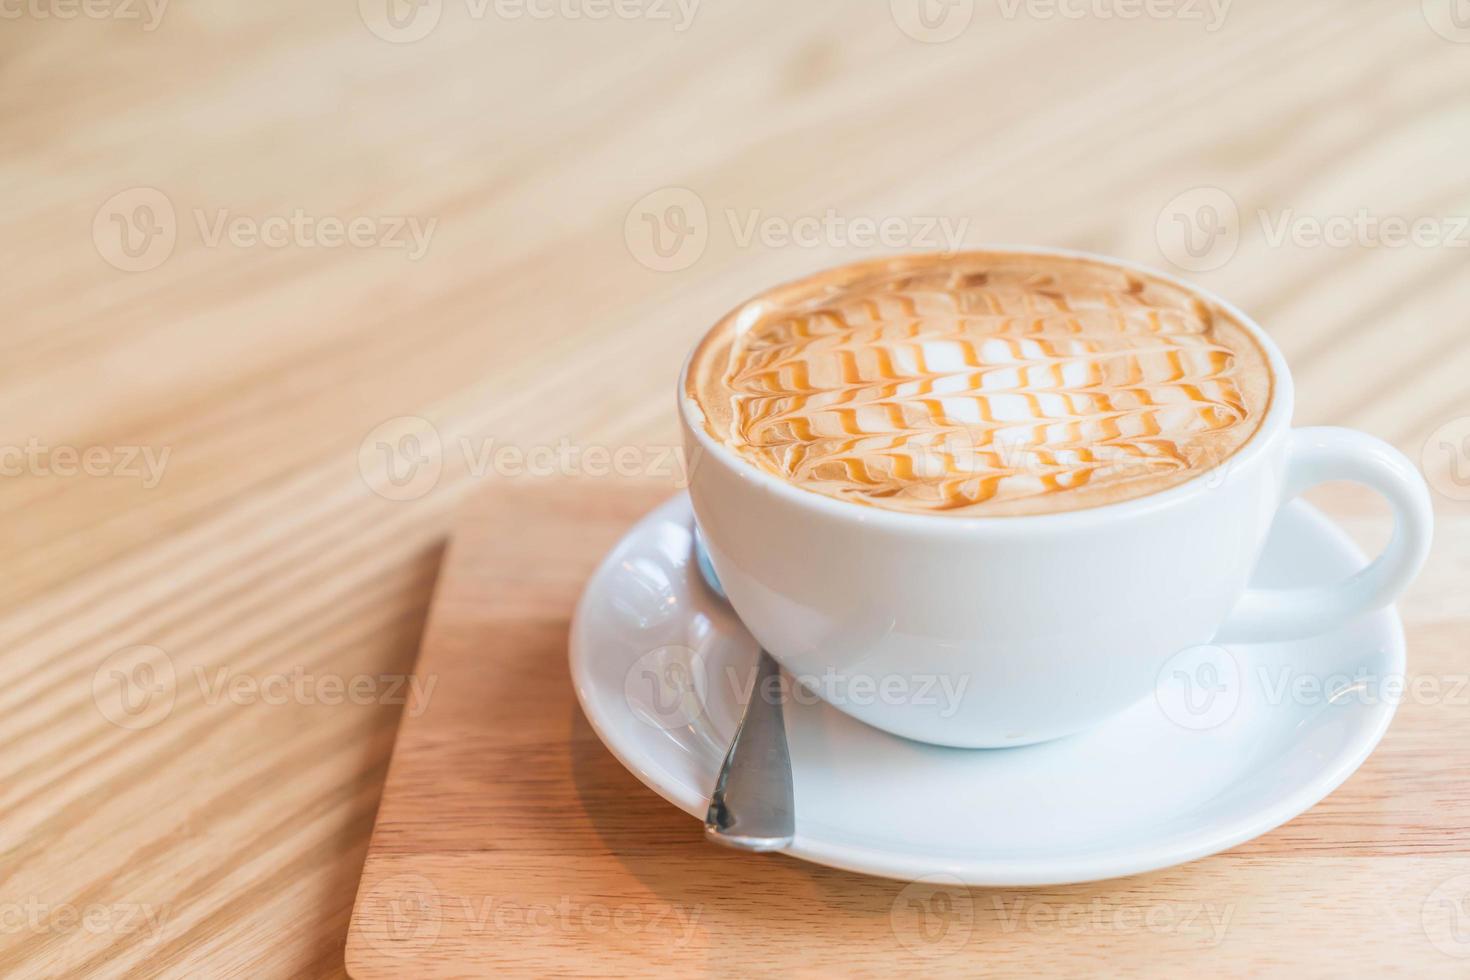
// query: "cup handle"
[[1317, 456]]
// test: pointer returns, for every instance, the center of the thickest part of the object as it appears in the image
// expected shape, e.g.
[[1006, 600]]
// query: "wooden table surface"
[[285, 283], [510, 842]]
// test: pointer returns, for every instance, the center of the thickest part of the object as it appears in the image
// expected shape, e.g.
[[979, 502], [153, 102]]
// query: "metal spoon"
[[752, 806]]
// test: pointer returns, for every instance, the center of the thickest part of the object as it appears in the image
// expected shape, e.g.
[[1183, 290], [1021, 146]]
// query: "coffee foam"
[[981, 384]]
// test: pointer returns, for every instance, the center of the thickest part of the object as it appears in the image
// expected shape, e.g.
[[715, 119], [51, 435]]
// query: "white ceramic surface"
[[1055, 622], [657, 661]]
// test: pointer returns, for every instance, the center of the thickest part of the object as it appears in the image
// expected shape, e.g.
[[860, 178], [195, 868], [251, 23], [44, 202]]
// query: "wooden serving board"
[[510, 842]]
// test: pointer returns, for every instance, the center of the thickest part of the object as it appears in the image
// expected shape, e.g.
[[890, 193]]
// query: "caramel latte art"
[[980, 384]]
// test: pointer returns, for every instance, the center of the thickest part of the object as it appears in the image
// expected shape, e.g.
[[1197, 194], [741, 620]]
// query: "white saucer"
[[661, 664]]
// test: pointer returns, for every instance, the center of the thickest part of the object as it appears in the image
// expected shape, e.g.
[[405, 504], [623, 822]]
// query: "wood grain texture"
[[509, 840], [274, 562]]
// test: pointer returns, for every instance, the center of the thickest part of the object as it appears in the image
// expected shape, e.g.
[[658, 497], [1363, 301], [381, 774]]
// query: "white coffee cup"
[[1003, 631]]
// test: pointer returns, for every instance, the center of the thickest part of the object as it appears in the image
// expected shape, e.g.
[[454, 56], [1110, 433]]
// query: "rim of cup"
[[1277, 418]]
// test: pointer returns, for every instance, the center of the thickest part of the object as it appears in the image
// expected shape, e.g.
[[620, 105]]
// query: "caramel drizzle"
[[949, 390]]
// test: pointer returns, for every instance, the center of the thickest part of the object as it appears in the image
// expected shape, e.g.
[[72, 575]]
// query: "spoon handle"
[[752, 807]]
